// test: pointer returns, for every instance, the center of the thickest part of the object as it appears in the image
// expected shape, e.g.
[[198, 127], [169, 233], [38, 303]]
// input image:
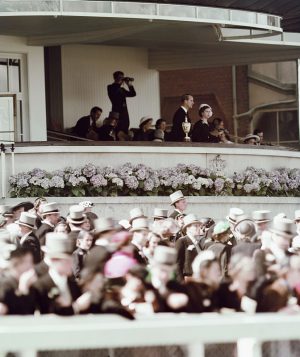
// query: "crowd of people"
[[170, 262], [116, 126]]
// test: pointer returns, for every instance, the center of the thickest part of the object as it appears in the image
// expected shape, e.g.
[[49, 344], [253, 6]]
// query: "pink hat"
[[121, 237], [118, 265]]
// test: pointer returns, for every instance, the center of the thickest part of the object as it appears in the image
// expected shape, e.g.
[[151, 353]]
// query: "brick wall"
[[209, 85]]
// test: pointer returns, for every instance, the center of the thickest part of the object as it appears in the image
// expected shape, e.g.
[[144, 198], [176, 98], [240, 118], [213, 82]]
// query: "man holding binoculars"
[[117, 95]]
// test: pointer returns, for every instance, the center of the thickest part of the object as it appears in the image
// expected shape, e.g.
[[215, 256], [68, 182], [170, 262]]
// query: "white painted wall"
[[87, 70], [34, 85]]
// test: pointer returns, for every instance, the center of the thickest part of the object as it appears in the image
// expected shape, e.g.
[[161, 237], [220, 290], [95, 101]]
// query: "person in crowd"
[[107, 132], [76, 218], [246, 238], [161, 124], [158, 136], [160, 214], [251, 139], [140, 230], [6, 213], [88, 207], [223, 137], [168, 230], [258, 132], [297, 221], [86, 127], [84, 244], [179, 202], [117, 95], [136, 213], [38, 202], [28, 239], [177, 133], [144, 133], [201, 131], [51, 216], [153, 241], [189, 245], [62, 227], [103, 233], [217, 125]]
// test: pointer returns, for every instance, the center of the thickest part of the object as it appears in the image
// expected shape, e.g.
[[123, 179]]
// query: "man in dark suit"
[[189, 246], [28, 239], [177, 133], [140, 230], [179, 202], [117, 95], [86, 126], [50, 214]]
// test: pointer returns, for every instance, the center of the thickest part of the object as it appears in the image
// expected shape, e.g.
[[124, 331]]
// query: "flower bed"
[[140, 180]]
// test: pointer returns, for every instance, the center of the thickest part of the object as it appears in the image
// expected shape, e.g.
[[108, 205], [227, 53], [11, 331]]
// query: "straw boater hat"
[[263, 216], [58, 245], [188, 220], [27, 219], [297, 215], [103, 224], [160, 213], [283, 227], [49, 208], [176, 196], [234, 214], [140, 224], [76, 215], [165, 256], [144, 120], [251, 136], [135, 213]]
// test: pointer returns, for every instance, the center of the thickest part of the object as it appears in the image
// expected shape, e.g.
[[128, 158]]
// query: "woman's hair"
[[158, 122], [202, 109], [216, 122]]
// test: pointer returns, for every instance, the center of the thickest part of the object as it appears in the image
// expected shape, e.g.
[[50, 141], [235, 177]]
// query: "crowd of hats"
[[141, 180], [172, 261]]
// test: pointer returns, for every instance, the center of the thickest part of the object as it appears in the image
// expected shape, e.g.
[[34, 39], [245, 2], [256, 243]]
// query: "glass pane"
[[14, 75], [6, 118], [3, 75], [288, 126], [266, 122]]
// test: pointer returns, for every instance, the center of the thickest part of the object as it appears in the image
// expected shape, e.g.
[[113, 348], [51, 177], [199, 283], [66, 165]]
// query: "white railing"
[[27, 335]]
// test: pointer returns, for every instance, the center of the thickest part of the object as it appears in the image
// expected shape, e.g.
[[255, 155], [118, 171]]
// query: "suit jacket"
[[246, 248], [138, 256], [42, 231], [200, 132], [83, 126], [45, 292], [32, 243], [78, 256], [177, 133], [186, 253], [174, 214], [223, 253]]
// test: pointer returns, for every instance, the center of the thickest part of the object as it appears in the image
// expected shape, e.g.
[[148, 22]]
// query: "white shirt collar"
[[24, 237], [48, 222]]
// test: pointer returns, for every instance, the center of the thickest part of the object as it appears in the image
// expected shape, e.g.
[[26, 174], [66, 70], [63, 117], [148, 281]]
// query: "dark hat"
[[27, 205]]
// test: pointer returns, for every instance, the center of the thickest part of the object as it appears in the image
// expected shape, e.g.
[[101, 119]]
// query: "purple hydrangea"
[[98, 180]]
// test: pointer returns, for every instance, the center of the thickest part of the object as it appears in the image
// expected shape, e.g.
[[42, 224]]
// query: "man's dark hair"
[[158, 122], [96, 109], [257, 130], [185, 97], [118, 74], [20, 253]]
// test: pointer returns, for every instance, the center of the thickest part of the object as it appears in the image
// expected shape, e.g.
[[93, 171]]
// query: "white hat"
[[86, 204], [144, 120], [76, 215], [234, 214], [251, 136], [135, 213], [160, 213], [188, 220], [58, 245], [103, 224], [204, 105], [49, 208], [124, 223], [140, 224], [27, 219], [204, 256], [5, 211], [283, 227], [297, 215], [164, 256], [176, 196], [262, 216]]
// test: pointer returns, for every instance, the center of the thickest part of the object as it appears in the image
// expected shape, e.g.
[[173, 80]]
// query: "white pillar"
[[248, 347], [298, 95]]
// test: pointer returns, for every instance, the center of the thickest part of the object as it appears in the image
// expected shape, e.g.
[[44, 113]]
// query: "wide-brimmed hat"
[[76, 215], [6, 211], [246, 227], [144, 120], [103, 224], [188, 220], [234, 214], [176, 196], [251, 136], [160, 213], [221, 227], [86, 204], [297, 215], [263, 216], [49, 208], [140, 224], [283, 227], [58, 245], [164, 256], [27, 205], [135, 213], [27, 219]]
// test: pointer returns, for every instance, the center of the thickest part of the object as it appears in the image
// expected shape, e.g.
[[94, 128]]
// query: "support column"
[[298, 95], [249, 347], [234, 103]]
